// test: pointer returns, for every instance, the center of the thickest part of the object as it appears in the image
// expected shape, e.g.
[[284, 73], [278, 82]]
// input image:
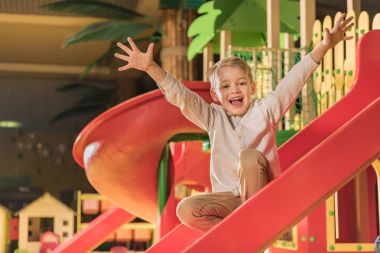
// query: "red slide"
[[308, 182], [366, 90], [97, 231], [121, 148], [120, 151]]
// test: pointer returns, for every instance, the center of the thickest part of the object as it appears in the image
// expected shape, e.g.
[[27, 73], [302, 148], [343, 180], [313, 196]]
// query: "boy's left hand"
[[337, 33]]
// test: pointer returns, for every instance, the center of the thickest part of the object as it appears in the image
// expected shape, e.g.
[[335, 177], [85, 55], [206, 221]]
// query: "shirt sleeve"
[[287, 90], [192, 106]]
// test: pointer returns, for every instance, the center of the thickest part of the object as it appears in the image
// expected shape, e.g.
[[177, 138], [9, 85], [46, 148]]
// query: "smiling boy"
[[242, 130]]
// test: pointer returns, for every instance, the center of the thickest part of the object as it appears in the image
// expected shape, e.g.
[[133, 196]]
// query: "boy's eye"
[[225, 86], [243, 83]]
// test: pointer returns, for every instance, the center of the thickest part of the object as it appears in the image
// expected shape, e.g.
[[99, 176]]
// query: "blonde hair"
[[213, 72]]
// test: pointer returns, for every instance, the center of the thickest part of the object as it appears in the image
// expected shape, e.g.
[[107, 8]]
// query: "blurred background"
[[45, 98]]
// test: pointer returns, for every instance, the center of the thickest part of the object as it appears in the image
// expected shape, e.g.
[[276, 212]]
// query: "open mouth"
[[236, 101]]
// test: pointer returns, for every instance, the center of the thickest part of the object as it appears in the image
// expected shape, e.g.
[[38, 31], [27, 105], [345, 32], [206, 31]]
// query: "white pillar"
[[355, 6], [225, 42], [273, 23], [307, 18], [208, 60]]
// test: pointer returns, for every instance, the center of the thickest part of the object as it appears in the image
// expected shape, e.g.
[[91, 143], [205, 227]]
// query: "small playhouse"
[[41, 219], [4, 227]]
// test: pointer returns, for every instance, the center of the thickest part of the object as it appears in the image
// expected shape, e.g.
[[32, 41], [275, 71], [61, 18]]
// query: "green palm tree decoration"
[[246, 19], [119, 24], [94, 100]]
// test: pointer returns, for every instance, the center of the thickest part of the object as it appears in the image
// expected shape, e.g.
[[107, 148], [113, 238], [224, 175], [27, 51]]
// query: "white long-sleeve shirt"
[[231, 134]]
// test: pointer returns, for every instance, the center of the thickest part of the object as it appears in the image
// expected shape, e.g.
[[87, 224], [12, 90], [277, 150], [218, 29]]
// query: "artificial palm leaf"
[[79, 111], [202, 28], [239, 17], [93, 9], [107, 56], [83, 89], [107, 31], [289, 13], [182, 4], [107, 98], [94, 99]]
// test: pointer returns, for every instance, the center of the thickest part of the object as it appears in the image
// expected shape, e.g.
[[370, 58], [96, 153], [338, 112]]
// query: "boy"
[[242, 130]]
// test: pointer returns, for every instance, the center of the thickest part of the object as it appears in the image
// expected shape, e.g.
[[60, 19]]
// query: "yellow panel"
[[350, 55], [376, 166], [363, 24], [317, 75], [331, 214], [338, 64], [351, 247], [376, 22], [330, 220], [317, 36], [327, 71]]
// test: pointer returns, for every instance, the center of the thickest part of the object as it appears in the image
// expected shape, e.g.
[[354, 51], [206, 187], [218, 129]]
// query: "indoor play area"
[[142, 156]]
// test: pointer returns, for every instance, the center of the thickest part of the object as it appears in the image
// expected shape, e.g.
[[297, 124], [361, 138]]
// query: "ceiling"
[[31, 37], [34, 7], [31, 45]]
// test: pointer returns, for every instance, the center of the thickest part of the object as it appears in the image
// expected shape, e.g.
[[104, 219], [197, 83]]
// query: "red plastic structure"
[[121, 148]]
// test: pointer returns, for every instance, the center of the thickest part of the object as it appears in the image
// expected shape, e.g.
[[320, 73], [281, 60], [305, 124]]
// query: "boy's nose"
[[235, 89]]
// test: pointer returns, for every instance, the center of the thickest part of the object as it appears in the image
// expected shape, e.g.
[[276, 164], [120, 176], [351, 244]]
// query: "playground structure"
[[4, 226], [133, 234], [336, 136], [140, 193], [45, 214]]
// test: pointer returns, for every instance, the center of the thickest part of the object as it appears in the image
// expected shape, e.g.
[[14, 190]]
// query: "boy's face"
[[234, 90]]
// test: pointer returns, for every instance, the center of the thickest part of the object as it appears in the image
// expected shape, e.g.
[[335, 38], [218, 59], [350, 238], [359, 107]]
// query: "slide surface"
[[366, 90], [255, 225], [121, 148], [96, 231]]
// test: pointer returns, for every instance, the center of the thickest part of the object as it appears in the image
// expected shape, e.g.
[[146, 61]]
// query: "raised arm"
[[191, 104], [140, 60], [288, 88], [333, 37]]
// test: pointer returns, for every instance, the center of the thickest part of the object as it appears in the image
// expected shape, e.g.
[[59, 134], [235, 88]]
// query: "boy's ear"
[[214, 96]]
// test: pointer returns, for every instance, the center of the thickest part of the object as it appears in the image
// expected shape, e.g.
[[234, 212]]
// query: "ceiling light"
[[10, 124]]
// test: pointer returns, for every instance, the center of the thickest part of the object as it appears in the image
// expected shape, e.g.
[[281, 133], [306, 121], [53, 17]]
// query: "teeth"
[[236, 99]]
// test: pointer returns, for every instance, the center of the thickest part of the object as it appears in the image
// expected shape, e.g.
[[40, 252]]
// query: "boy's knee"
[[249, 158], [185, 210], [253, 161]]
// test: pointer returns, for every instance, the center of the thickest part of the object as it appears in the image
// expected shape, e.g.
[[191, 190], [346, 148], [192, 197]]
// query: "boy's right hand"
[[134, 57]]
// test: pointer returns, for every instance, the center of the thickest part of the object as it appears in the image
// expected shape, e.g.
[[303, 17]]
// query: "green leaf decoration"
[[107, 31], [246, 17], [251, 15], [94, 99], [82, 89], [93, 9], [228, 9], [108, 97], [182, 4], [202, 28], [78, 111]]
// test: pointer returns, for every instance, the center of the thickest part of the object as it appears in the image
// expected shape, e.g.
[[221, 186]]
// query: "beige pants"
[[203, 211]]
